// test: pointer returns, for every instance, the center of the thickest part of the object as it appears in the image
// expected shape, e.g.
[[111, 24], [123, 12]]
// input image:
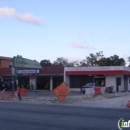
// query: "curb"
[[70, 98], [112, 95]]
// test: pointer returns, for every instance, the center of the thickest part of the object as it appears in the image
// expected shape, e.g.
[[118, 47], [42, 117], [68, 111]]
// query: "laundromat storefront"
[[118, 76]]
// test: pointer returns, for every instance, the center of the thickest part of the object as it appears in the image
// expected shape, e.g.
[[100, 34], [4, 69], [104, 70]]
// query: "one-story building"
[[49, 77], [117, 76]]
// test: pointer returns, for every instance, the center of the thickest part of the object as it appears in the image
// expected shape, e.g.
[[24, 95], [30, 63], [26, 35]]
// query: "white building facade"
[[117, 76]]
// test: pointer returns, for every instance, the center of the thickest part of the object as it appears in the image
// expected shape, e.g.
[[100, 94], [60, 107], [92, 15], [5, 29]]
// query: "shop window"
[[75, 82]]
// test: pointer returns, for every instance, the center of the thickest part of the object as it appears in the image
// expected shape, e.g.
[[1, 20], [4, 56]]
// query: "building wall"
[[67, 80], [111, 81], [5, 63]]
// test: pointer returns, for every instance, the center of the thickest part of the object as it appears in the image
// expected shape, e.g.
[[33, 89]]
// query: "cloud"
[[80, 33], [27, 17], [81, 46]]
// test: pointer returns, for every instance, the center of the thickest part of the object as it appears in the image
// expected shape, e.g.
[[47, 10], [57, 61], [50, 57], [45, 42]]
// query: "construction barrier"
[[23, 92], [8, 95], [89, 91], [103, 89], [128, 104], [95, 91]]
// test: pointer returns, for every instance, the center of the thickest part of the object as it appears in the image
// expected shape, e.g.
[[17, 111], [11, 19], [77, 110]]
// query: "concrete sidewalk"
[[50, 97], [107, 100]]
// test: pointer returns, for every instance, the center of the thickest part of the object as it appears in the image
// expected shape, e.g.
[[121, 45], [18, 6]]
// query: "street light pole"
[[13, 73]]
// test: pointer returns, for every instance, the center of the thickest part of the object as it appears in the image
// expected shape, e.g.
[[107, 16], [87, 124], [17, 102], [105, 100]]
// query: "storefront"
[[48, 78], [117, 76], [51, 76]]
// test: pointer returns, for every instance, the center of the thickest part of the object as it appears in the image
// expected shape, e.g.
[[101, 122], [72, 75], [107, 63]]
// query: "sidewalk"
[[74, 98], [39, 96]]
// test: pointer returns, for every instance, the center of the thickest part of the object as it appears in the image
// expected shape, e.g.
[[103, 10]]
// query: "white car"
[[90, 85]]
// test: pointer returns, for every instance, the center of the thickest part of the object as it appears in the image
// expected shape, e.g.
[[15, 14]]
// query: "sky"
[[48, 29]]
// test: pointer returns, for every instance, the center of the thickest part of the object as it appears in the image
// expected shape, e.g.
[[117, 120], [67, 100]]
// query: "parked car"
[[7, 85], [89, 85]]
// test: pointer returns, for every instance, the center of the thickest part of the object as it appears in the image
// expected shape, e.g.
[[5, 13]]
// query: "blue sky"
[[47, 29]]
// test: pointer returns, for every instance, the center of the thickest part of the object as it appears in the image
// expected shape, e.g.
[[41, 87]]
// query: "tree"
[[92, 59], [61, 61], [99, 59], [103, 61], [73, 64], [83, 63], [111, 61], [45, 63], [116, 61], [64, 62]]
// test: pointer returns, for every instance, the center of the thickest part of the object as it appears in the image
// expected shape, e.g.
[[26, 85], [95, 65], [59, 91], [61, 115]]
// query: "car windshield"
[[90, 84], [97, 85]]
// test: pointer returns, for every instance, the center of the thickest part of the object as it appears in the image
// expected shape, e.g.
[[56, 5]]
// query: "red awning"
[[115, 72]]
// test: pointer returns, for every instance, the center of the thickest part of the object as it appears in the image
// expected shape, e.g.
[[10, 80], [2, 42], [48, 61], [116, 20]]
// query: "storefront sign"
[[26, 63], [127, 68], [27, 71], [105, 68]]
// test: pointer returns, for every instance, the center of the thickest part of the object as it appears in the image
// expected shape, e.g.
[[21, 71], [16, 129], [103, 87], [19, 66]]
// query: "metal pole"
[[13, 73], [16, 77], [35, 81]]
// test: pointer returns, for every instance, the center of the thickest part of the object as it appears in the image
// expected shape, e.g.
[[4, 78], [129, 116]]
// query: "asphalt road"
[[21, 116]]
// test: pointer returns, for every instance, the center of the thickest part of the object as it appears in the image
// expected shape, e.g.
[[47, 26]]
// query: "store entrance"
[[44, 83], [100, 80]]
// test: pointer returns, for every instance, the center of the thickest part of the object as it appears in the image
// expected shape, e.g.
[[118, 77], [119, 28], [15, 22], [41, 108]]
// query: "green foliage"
[[92, 59], [97, 59], [112, 61], [61, 61], [45, 63]]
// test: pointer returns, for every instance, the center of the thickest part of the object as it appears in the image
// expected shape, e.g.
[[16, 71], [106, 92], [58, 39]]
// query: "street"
[[23, 116]]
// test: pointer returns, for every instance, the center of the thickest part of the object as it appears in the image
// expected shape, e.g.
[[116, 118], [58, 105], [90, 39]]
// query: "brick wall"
[[5, 62]]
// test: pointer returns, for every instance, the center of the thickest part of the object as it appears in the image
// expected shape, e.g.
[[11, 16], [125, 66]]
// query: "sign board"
[[104, 68], [62, 91], [27, 71], [26, 63]]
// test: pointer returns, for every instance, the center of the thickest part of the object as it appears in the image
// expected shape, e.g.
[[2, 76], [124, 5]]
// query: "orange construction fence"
[[23, 92], [128, 104], [97, 90]]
